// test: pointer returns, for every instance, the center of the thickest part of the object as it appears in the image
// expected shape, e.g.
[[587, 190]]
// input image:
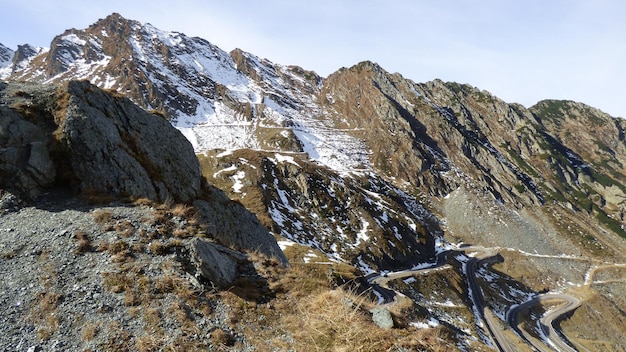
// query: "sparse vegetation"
[[610, 223], [83, 242], [89, 331], [102, 216]]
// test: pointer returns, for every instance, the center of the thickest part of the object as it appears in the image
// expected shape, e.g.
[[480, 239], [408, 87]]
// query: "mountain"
[[6, 55], [364, 168]]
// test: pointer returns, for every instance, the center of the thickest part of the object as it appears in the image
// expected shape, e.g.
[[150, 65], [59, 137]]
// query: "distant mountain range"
[[373, 169]]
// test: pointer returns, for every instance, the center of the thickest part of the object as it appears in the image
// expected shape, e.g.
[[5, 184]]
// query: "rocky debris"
[[215, 263], [9, 202], [129, 283], [79, 135], [382, 317]]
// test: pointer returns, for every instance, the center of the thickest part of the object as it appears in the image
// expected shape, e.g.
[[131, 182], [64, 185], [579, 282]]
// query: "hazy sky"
[[520, 50]]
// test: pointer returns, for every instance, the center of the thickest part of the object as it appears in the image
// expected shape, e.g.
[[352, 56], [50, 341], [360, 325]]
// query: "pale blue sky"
[[521, 51]]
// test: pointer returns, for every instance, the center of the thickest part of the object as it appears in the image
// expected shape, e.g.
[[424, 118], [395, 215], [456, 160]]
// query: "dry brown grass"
[[220, 337], [183, 233], [177, 285], [83, 242], [89, 331], [117, 282], [125, 228], [149, 343], [142, 201], [45, 316], [118, 338], [181, 210], [160, 217], [102, 216], [310, 313], [152, 318], [158, 248], [131, 299]]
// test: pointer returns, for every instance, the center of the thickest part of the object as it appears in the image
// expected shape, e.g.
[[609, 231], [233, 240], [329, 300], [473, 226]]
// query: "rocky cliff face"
[[361, 219], [364, 166]]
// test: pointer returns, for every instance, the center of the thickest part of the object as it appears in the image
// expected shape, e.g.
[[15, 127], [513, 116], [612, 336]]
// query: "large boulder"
[[215, 263], [92, 140], [382, 317], [116, 147]]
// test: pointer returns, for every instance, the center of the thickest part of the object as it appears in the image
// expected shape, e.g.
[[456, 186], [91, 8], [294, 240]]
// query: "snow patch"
[[362, 235], [283, 244], [429, 324], [285, 158], [73, 38], [238, 185], [228, 169]]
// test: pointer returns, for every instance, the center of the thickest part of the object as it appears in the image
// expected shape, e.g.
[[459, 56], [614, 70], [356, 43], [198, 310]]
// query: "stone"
[[92, 141], [25, 163], [215, 263], [382, 317]]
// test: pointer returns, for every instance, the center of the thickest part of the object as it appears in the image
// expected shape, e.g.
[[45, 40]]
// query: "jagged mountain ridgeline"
[[220, 201]]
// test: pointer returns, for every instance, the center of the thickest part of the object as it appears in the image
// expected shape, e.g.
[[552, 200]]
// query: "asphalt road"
[[495, 332], [547, 321], [511, 319]]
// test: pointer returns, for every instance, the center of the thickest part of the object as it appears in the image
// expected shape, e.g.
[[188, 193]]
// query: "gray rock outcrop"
[[25, 162], [116, 146], [98, 142], [215, 263]]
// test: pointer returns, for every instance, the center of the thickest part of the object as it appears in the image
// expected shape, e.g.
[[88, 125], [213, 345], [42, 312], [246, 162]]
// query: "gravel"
[[54, 295]]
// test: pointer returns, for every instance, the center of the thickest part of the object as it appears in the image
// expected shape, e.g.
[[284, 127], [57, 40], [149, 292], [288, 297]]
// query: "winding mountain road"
[[492, 324], [476, 294], [379, 282], [555, 339], [547, 321]]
